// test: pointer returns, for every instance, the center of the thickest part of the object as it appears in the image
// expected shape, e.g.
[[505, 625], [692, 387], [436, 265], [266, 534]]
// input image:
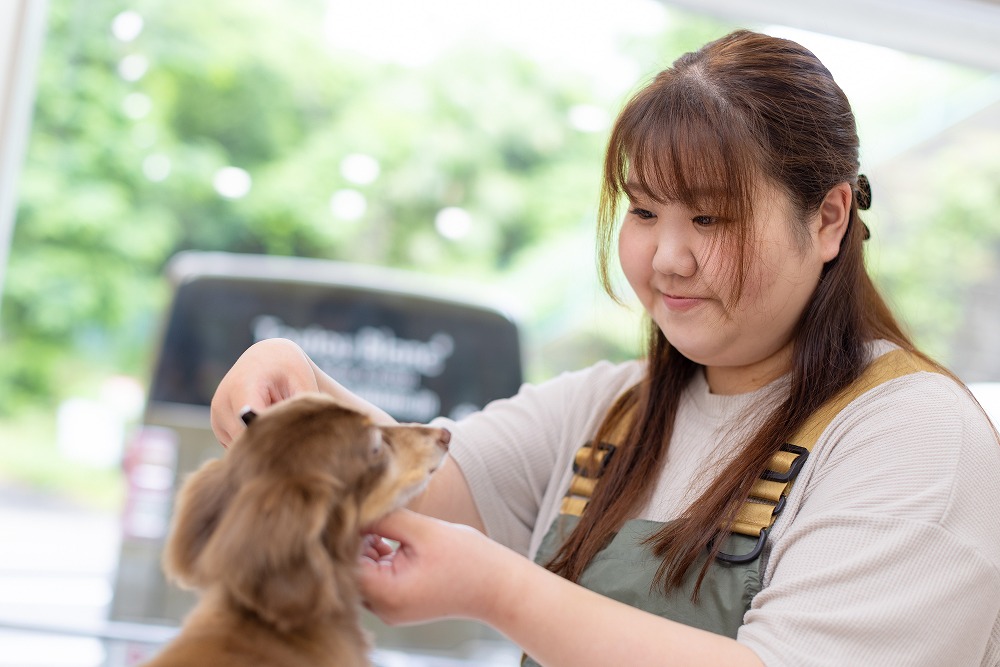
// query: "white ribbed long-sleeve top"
[[888, 550]]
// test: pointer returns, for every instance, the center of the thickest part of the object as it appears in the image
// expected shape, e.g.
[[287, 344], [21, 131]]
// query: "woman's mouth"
[[680, 303]]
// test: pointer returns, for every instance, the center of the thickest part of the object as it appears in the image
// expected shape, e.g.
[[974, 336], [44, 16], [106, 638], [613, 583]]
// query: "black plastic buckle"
[[601, 446], [793, 470], [770, 475], [752, 555]]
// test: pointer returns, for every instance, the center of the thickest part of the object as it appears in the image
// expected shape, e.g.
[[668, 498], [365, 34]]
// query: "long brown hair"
[[745, 107]]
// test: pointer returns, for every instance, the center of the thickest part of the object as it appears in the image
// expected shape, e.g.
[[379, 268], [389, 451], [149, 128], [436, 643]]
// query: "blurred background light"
[[133, 67], [589, 118], [348, 205], [127, 25], [453, 222], [232, 182], [156, 167], [359, 168], [137, 105]]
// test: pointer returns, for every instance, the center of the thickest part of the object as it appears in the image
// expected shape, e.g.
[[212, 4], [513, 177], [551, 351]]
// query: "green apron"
[[625, 568]]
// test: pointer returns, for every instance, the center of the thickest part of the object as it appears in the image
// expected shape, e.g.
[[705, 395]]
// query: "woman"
[[743, 242]]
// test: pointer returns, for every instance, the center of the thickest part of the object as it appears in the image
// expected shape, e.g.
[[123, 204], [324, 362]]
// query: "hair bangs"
[[676, 142]]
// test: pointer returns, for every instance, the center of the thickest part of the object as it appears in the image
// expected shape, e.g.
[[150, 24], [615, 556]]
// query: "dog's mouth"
[[413, 464], [442, 449], [400, 499], [412, 492], [442, 454]]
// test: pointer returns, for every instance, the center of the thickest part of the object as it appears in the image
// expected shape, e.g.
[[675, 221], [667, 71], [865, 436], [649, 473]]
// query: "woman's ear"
[[200, 503], [834, 216], [268, 550]]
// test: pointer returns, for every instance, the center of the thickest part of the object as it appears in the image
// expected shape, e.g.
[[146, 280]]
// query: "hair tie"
[[863, 193]]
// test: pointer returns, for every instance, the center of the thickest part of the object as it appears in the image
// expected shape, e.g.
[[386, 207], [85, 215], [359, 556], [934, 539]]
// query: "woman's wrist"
[[328, 385], [507, 587]]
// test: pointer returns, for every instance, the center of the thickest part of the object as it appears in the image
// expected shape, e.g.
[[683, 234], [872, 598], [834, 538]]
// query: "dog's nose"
[[444, 438]]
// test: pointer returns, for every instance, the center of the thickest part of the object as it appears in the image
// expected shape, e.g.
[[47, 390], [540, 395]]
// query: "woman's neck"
[[729, 380]]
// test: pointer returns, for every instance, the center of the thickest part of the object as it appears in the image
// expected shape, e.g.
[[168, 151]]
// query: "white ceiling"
[[962, 31]]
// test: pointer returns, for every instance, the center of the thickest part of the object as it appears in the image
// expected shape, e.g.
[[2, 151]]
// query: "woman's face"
[[683, 270]]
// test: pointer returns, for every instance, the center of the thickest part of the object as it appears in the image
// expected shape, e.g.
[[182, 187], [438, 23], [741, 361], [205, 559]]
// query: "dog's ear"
[[200, 504], [268, 549]]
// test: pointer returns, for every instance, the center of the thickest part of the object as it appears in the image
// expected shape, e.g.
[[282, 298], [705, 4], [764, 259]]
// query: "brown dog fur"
[[271, 534]]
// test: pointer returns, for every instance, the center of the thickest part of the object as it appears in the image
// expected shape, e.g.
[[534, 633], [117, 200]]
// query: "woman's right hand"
[[268, 372]]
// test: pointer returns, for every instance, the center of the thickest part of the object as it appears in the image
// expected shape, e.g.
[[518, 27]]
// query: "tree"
[[327, 155]]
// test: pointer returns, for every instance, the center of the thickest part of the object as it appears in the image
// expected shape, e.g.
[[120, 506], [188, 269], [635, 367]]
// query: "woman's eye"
[[704, 220], [641, 213]]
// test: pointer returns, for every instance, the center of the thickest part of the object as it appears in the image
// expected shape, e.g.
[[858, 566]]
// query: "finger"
[[375, 548], [402, 525], [222, 428], [369, 552], [227, 420], [378, 581], [382, 547], [255, 397]]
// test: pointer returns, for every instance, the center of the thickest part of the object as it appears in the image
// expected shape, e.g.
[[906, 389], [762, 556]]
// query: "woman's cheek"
[[635, 257]]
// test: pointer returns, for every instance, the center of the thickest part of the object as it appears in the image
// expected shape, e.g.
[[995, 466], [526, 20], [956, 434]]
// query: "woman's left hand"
[[440, 570], [447, 570]]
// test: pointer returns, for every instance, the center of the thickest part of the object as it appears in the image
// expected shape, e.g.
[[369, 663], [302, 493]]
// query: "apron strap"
[[589, 465], [769, 493], [767, 496]]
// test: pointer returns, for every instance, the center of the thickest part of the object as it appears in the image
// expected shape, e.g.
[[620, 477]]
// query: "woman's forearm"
[[328, 385], [559, 623]]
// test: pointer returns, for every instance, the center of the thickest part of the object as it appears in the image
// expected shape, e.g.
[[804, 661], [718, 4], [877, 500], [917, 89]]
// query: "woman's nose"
[[674, 255]]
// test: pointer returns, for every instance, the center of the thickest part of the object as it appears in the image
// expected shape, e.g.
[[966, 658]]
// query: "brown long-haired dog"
[[271, 533]]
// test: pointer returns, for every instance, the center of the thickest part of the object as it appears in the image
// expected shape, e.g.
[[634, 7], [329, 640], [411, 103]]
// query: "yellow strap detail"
[[767, 490], [583, 455], [752, 517], [757, 512], [573, 505], [782, 461], [888, 367], [582, 486]]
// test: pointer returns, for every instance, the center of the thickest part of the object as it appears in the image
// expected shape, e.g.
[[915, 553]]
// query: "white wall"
[[22, 26], [962, 31], [988, 394]]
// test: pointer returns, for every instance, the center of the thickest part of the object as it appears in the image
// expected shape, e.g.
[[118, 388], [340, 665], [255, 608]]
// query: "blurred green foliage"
[[946, 249], [129, 137]]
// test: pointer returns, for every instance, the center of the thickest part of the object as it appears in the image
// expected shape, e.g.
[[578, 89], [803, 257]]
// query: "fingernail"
[[247, 414]]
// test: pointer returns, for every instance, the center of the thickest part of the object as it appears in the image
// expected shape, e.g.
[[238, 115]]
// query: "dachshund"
[[271, 533]]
